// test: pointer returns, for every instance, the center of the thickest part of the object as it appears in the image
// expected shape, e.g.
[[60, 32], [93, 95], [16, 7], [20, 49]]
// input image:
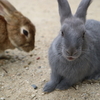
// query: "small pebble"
[[12, 60], [8, 96], [44, 80], [98, 94], [34, 86], [2, 98], [33, 95], [77, 87], [73, 99], [29, 63], [38, 58], [43, 93], [18, 74], [6, 51], [36, 91], [16, 57], [39, 67], [31, 55], [27, 68], [42, 36]]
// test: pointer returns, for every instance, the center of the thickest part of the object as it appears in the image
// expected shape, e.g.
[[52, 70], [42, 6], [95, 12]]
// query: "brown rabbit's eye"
[[25, 32]]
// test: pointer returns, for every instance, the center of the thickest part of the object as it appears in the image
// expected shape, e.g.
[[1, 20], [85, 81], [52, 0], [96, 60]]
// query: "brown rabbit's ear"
[[6, 9], [7, 6]]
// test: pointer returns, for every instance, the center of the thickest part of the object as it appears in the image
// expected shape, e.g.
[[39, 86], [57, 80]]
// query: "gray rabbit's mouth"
[[70, 58]]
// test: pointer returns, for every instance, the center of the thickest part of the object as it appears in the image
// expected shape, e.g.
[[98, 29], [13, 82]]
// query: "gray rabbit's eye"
[[25, 32], [62, 33], [83, 35]]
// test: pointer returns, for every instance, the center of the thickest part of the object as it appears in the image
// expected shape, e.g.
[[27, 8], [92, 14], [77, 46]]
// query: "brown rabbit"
[[16, 31]]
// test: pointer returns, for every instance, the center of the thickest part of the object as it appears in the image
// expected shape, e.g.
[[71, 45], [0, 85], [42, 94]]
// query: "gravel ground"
[[23, 71]]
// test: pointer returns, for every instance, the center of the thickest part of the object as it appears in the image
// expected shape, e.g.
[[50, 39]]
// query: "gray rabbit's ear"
[[64, 10], [82, 9]]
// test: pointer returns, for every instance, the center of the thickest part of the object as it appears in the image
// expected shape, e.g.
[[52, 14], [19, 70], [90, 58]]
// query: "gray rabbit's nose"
[[71, 52]]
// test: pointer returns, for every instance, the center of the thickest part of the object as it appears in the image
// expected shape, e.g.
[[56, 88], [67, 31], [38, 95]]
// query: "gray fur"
[[79, 41], [64, 10], [82, 9]]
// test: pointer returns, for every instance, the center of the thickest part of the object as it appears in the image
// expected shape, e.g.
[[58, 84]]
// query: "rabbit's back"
[[93, 38], [93, 27]]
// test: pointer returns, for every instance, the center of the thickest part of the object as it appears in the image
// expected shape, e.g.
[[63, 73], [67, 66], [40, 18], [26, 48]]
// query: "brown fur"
[[4, 41], [10, 29]]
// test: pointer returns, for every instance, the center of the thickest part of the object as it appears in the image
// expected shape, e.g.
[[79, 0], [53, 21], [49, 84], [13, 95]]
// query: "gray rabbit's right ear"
[[82, 9], [64, 10], [6, 9]]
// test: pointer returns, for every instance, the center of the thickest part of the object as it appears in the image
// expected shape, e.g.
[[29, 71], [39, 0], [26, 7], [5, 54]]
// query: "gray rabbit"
[[74, 55]]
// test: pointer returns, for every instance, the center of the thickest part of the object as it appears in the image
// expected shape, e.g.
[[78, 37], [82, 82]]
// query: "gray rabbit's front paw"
[[49, 87], [62, 86]]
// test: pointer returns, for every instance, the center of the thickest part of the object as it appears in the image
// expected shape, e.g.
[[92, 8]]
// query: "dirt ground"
[[18, 74]]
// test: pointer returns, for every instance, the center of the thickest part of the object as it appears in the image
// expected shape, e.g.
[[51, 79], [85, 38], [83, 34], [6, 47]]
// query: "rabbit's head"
[[21, 32], [72, 29]]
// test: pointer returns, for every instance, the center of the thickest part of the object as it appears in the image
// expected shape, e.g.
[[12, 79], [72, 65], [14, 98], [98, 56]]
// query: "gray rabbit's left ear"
[[82, 9], [64, 10]]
